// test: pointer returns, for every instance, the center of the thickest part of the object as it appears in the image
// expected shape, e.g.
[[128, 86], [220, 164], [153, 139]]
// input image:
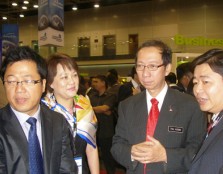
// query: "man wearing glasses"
[[161, 136], [33, 139]]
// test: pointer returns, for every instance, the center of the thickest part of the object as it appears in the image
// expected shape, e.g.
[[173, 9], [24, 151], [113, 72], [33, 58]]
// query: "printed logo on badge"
[[175, 129]]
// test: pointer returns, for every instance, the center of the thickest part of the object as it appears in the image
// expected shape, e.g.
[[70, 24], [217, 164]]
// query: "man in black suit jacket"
[[130, 88], [23, 73], [208, 82], [180, 128]]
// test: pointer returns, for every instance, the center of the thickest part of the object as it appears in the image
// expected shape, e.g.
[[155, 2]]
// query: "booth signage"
[[197, 41], [51, 22]]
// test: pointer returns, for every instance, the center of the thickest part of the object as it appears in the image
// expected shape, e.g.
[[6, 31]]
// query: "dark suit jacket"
[[125, 91], [180, 129], [57, 153], [209, 159]]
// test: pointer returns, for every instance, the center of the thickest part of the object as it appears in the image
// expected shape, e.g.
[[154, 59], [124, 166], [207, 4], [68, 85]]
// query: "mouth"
[[21, 100], [201, 100], [71, 89]]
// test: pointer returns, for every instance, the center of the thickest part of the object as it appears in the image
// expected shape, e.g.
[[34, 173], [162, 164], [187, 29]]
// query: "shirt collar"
[[22, 117], [159, 97]]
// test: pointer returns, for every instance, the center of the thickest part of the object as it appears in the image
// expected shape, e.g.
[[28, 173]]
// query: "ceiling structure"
[[13, 12]]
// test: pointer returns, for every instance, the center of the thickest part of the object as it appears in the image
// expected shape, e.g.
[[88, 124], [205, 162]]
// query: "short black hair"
[[171, 77], [166, 51], [24, 53], [213, 57], [183, 69]]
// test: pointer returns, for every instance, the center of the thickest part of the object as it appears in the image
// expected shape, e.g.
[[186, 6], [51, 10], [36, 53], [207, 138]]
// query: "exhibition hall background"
[[109, 35]]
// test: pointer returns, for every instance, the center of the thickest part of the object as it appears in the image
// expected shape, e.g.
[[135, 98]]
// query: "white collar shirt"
[[160, 98], [26, 126]]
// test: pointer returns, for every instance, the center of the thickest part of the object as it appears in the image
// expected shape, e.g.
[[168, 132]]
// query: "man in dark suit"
[[180, 128], [130, 88], [23, 73], [208, 90]]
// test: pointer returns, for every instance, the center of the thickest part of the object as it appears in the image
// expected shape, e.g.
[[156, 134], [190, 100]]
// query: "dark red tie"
[[152, 121]]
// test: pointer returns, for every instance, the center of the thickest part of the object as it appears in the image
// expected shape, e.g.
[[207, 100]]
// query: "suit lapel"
[[13, 127], [210, 139], [169, 109], [47, 135]]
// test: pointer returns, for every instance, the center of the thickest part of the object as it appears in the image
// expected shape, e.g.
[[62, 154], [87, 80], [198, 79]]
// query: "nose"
[[146, 72], [19, 87]]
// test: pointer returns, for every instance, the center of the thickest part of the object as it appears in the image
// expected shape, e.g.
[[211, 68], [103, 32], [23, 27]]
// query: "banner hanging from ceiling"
[[9, 38], [51, 22]]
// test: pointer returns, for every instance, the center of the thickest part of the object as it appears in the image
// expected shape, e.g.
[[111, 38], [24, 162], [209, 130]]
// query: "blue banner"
[[10, 37]]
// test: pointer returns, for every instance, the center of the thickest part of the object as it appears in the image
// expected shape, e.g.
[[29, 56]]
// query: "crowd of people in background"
[[84, 122]]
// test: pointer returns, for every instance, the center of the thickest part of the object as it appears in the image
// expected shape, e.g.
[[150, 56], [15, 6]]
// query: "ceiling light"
[[14, 4], [24, 7], [35, 6], [74, 8], [4, 18], [96, 5], [26, 2], [21, 15]]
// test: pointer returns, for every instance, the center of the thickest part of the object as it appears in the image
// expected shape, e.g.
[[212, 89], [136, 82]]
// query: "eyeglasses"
[[151, 67], [23, 83]]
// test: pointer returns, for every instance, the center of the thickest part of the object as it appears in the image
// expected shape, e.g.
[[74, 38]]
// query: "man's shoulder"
[[135, 98], [180, 97]]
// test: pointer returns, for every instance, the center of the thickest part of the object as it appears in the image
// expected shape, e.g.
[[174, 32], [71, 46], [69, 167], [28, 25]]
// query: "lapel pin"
[[170, 109]]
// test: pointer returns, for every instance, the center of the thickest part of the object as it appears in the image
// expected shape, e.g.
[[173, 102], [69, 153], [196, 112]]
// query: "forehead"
[[22, 67], [205, 71], [149, 53], [63, 67]]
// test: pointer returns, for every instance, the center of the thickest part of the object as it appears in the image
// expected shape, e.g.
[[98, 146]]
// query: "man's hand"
[[149, 151]]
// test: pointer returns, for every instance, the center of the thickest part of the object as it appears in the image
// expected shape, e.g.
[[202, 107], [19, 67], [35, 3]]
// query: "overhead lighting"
[[26, 2], [21, 15], [14, 4], [35, 6], [24, 7], [74, 8], [96, 5], [4, 18]]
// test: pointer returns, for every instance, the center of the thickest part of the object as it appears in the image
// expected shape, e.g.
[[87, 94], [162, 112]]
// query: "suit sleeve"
[[68, 164], [121, 149], [2, 159], [180, 159]]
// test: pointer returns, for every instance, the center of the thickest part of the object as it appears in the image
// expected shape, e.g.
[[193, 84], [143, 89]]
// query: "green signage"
[[197, 41]]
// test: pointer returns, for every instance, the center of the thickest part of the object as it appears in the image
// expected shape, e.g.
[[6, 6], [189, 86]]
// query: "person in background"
[[165, 139], [82, 86], [208, 90], [103, 104], [115, 73], [130, 88], [184, 75], [33, 139], [62, 86], [171, 80], [90, 91]]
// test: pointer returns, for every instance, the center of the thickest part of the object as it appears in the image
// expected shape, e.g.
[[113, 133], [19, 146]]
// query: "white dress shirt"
[[26, 126]]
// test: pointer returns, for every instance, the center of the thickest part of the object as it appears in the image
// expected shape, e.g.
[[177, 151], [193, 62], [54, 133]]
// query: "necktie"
[[152, 121], [35, 156], [153, 117]]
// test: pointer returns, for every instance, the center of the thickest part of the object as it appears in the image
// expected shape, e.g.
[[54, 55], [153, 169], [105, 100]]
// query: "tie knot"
[[154, 101], [31, 121]]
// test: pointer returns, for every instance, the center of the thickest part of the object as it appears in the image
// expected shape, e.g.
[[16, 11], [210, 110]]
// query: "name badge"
[[175, 129], [78, 161]]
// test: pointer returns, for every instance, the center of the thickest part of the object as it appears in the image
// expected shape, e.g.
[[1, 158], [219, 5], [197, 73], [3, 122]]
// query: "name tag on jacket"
[[175, 129]]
